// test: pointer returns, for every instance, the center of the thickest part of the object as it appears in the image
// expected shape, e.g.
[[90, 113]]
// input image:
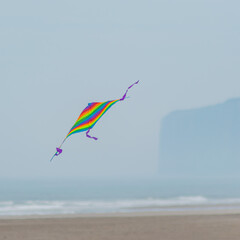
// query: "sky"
[[57, 56]]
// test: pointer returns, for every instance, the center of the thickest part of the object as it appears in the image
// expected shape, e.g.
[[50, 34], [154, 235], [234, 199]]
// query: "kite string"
[[125, 94]]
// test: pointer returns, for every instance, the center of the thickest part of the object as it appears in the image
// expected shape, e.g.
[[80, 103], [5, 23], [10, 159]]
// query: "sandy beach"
[[217, 225]]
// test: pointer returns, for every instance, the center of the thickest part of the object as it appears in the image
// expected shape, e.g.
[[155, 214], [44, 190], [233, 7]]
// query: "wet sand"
[[140, 226]]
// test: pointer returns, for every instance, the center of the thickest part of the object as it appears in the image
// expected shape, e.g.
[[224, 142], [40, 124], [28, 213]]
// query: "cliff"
[[201, 142]]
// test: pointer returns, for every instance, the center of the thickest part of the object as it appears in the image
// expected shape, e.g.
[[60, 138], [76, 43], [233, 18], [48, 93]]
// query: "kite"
[[89, 117]]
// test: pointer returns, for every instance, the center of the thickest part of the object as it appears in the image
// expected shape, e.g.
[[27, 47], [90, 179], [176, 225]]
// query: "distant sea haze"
[[203, 142], [105, 196]]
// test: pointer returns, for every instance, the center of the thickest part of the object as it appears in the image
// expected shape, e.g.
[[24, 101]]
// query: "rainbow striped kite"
[[89, 117]]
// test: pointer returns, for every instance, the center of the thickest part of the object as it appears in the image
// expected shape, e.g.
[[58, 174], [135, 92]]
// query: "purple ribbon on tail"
[[125, 94], [89, 135], [58, 152]]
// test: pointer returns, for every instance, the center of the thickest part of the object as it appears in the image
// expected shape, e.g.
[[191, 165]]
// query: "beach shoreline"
[[183, 211]]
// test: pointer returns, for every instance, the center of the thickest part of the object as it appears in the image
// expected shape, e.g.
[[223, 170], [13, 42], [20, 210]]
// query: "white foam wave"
[[97, 206]]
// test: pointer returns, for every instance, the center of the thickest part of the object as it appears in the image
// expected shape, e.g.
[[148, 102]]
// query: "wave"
[[8, 208]]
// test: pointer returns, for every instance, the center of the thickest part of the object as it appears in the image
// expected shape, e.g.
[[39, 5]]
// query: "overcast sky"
[[56, 56]]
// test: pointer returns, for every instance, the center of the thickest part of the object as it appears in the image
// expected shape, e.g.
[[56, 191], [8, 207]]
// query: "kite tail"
[[89, 135], [58, 152], [62, 142], [125, 94], [53, 156]]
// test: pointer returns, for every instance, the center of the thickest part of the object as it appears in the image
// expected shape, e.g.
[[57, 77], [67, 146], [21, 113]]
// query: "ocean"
[[86, 195]]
